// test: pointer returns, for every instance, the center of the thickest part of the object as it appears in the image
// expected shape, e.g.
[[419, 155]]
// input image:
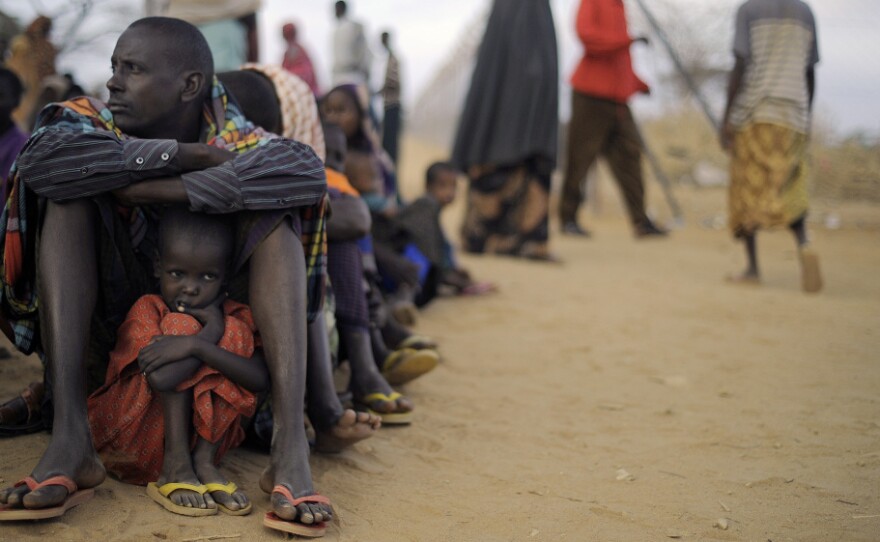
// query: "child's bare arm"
[[168, 360], [251, 374]]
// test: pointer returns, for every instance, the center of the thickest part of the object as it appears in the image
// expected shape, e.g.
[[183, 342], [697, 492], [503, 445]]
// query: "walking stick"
[[665, 184], [689, 81]]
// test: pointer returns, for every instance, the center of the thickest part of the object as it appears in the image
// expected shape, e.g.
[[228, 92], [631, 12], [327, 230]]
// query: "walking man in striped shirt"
[[766, 126]]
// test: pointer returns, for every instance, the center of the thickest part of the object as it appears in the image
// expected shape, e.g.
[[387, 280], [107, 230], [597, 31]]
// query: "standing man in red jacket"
[[601, 121]]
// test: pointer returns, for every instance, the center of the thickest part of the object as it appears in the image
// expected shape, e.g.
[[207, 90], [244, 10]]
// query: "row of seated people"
[[382, 258]]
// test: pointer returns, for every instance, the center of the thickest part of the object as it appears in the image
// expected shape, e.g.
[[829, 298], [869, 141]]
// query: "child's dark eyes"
[[175, 274], [209, 276]]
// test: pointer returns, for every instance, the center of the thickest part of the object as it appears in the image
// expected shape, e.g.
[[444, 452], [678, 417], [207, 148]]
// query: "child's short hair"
[[179, 223], [434, 170], [8, 77]]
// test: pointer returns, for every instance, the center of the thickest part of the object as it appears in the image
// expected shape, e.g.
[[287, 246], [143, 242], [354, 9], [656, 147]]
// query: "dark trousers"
[[606, 128], [391, 131]]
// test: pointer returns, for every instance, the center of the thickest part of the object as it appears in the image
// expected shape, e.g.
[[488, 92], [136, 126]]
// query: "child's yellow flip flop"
[[229, 488], [160, 495]]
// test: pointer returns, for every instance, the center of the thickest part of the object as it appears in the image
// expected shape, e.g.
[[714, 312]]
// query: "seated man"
[[88, 184]]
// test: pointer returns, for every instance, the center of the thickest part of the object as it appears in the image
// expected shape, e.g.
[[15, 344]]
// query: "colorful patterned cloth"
[[299, 110], [768, 177], [125, 414]]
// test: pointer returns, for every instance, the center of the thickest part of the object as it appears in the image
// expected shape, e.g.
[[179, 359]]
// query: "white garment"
[[351, 55]]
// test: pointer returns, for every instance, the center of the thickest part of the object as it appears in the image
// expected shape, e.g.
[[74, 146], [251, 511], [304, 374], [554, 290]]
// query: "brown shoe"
[[22, 414]]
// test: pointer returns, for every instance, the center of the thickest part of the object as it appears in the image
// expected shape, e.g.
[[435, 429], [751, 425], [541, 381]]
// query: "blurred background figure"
[[230, 26], [390, 91], [766, 126], [296, 60], [12, 139], [507, 134], [601, 120], [8, 30], [32, 58], [351, 54]]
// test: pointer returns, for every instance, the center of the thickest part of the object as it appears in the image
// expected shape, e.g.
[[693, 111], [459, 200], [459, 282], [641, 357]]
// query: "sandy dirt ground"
[[628, 394]]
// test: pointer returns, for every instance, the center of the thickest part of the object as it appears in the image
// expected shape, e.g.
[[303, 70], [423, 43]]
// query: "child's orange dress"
[[125, 414]]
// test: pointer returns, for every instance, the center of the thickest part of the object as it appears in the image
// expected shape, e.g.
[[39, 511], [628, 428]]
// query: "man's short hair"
[[184, 45], [341, 6]]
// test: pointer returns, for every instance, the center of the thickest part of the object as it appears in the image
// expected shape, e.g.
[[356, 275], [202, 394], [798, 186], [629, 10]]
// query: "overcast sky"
[[426, 32]]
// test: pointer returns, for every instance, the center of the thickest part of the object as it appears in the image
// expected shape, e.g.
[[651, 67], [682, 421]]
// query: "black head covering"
[[511, 112]]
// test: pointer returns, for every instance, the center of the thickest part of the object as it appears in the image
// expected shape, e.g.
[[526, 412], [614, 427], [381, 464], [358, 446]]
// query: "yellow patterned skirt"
[[768, 178]]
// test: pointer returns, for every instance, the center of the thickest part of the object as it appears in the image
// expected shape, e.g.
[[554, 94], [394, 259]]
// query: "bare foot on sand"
[[350, 428], [203, 464]]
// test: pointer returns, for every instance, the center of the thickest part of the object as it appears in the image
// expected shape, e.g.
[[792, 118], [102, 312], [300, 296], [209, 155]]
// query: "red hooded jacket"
[[605, 71]]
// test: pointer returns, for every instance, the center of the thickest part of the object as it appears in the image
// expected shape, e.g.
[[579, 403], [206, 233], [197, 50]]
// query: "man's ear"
[[193, 85]]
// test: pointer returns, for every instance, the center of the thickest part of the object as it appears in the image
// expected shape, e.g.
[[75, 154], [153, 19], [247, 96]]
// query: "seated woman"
[[370, 171]]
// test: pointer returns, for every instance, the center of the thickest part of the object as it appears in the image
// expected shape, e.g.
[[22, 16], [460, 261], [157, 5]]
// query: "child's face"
[[362, 173], [339, 108], [444, 187], [334, 141], [191, 275]]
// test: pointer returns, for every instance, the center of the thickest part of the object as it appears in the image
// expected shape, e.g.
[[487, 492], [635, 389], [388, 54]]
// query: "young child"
[[12, 139], [185, 359], [421, 220]]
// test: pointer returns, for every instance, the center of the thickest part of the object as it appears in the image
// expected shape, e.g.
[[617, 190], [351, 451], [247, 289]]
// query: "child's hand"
[[212, 320], [165, 349], [210, 315]]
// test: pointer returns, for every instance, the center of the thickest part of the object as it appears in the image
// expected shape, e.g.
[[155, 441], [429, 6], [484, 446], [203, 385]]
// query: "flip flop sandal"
[[418, 342], [479, 288], [388, 418], [160, 495], [21, 415], [75, 497], [402, 366], [229, 488], [316, 530]]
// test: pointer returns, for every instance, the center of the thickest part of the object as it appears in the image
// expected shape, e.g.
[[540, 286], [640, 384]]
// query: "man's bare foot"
[[305, 513], [203, 464], [747, 278], [71, 457], [350, 428]]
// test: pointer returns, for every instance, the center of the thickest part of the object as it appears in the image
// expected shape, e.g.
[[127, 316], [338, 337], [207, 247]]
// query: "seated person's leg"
[[336, 427], [203, 455], [368, 386], [177, 464], [277, 292], [67, 286]]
